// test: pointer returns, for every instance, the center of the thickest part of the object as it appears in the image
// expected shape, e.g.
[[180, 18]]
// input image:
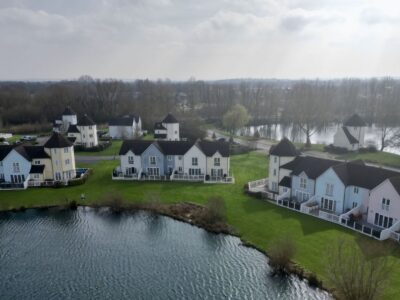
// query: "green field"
[[257, 221], [382, 158]]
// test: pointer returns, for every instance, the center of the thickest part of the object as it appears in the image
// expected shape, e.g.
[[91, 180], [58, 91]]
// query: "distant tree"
[[214, 136], [257, 134], [235, 118]]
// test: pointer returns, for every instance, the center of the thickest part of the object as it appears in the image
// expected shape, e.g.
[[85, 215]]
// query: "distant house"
[[84, 133], [167, 129], [24, 165], [125, 127], [351, 135], [68, 117], [174, 160]]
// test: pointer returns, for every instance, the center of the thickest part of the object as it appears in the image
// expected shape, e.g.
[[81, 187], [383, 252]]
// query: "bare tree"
[[280, 254]]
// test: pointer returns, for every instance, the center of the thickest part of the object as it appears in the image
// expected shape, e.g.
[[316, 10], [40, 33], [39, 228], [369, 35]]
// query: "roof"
[[126, 120], [211, 147], [85, 120], [286, 182], [358, 174], [73, 129], [36, 169], [396, 183], [68, 111], [159, 126], [170, 119], [349, 136], [136, 146], [284, 148], [175, 147], [57, 141], [312, 166], [4, 150], [355, 121], [35, 152]]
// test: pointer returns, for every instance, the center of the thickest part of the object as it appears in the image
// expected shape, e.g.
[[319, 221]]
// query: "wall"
[[172, 131], [201, 158], [48, 168], [15, 157], [310, 185], [70, 120], [88, 136], [121, 132], [329, 176], [275, 165], [58, 158], [224, 164], [137, 162], [361, 198], [152, 150]]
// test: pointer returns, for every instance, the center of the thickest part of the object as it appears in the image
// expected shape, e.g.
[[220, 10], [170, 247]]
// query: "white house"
[[68, 118], [167, 129], [125, 127], [84, 133], [351, 135]]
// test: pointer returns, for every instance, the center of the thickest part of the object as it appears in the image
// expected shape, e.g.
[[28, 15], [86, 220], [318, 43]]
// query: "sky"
[[204, 39]]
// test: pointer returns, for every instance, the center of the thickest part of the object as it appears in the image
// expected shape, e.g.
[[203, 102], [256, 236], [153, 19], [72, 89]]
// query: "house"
[[125, 127], [174, 160], [167, 129], [24, 165], [351, 135], [84, 133], [68, 117]]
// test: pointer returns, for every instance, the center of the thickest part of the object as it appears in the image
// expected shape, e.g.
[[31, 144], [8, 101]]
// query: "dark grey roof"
[[286, 182], [175, 147], [37, 169], [355, 121], [126, 120], [85, 120], [211, 147], [136, 146], [312, 166], [170, 119], [57, 141], [352, 140], [72, 139], [159, 126], [68, 111], [358, 174], [284, 148], [396, 183], [36, 152], [4, 150], [73, 129]]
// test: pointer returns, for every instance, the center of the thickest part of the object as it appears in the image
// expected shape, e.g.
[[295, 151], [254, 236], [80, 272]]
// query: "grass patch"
[[257, 221], [113, 150], [382, 158]]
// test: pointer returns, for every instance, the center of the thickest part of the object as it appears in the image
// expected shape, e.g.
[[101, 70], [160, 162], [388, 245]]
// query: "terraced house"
[[206, 161], [24, 165], [354, 194]]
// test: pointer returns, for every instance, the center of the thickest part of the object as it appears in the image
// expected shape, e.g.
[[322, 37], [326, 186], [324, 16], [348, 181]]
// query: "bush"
[[73, 205], [313, 281], [257, 134], [281, 253], [114, 201], [335, 150], [369, 149], [98, 148], [215, 211]]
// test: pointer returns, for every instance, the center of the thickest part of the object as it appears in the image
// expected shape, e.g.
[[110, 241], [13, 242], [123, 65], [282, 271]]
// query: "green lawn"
[[383, 158], [257, 221]]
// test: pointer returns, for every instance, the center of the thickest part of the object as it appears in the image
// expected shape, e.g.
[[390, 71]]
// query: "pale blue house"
[[15, 165], [153, 161]]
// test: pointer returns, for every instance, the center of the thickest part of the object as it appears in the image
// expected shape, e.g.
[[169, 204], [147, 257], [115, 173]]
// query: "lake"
[[89, 254], [322, 136]]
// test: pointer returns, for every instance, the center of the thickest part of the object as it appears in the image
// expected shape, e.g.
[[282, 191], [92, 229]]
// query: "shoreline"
[[189, 213]]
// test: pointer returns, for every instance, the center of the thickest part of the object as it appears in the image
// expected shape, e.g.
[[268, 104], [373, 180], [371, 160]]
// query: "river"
[[89, 254]]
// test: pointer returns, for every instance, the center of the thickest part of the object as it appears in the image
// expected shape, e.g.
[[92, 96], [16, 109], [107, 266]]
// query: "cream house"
[[84, 133]]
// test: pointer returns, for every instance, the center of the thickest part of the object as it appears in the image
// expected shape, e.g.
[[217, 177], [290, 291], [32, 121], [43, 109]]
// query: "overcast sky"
[[206, 39]]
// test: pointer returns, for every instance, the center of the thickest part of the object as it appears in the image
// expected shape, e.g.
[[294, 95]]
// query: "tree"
[[215, 210], [280, 254], [235, 118], [355, 275]]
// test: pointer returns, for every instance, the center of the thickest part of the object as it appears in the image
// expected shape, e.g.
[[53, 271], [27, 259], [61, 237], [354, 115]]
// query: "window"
[[217, 161], [328, 204], [275, 159], [354, 204], [58, 176], [91, 135], [169, 157], [217, 172], [65, 150], [67, 161], [385, 204], [152, 160], [180, 157], [37, 162], [194, 161], [55, 151], [16, 167], [90, 127], [176, 132], [329, 189], [194, 172], [355, 190], [130, 160], [303, 183], [36, 176], [383, 221], [153, 171], [274, 172], [274, 186], [56, 162], [180, 170]]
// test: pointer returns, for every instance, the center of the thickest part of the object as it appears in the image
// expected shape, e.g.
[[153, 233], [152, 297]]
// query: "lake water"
[[88, 254], [323, 136]]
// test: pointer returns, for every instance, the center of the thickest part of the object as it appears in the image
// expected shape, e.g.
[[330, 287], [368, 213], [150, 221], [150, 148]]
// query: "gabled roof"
[[4, 150], [126, 120], [68, 111], [352, 140], [35, 152], [136, 146], [73, 129], [358, 174], [159, 126], [170, 119], [175, 147], [286, 182], [311, 166], [284, 148], [355, 121], [396, 183], [57, 141], [211, 147], [85, 120], [36, 169]]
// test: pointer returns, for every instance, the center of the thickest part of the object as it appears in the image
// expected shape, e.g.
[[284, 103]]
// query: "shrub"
[[335, 150], [73, 205], [214, 136], [313, 280], [114, 201], [215, 210], [257, 134], [281, 253]]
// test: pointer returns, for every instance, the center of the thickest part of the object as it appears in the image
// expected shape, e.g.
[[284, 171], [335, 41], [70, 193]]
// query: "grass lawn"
[[383, 158], [257, 221]]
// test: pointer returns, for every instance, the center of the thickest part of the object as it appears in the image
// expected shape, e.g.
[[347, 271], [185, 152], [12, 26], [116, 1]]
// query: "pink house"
[[384, 203]]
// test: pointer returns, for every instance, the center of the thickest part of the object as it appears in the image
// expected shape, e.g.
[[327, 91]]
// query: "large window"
[[385, 204], [194, 161], [328, 204], [194, 171], [67, 161], [303, 182], [66, 150], [383, 221], [217, 172], [329, 189], [130, 160], [152, 160], [217, 161], [153, 171], [16, 167], [355, 190]]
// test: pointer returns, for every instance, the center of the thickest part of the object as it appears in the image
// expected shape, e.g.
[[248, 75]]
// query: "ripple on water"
[[94, 254]]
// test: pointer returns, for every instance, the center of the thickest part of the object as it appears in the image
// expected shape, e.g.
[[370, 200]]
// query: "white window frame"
[[195, 161], [355, 190], [217, 161], [169, 157], [66, 150], [303, 183], [329, 189], [152, 160], [16, 168], [131, 160]]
